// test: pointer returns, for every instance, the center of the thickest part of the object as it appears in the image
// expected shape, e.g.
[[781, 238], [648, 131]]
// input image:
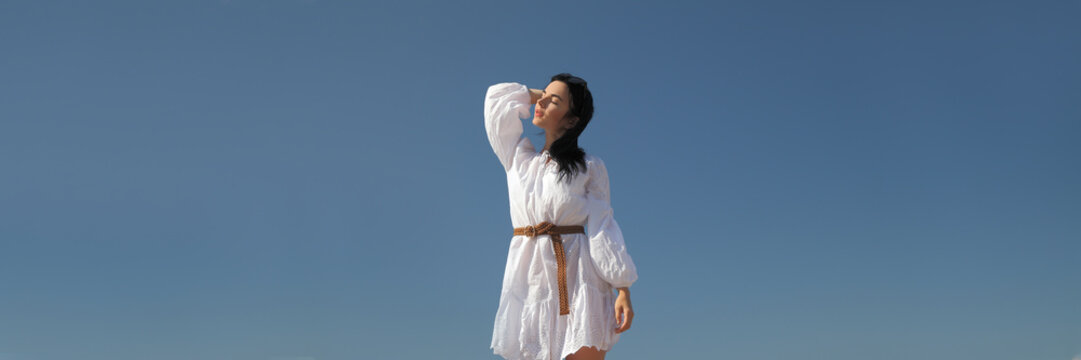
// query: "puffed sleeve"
[[505, 105], [606, 246]]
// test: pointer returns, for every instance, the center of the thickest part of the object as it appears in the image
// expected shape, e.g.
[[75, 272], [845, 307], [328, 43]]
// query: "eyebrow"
[[560, 97]]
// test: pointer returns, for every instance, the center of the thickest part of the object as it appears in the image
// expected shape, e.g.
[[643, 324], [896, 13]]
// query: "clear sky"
[[311, 180]]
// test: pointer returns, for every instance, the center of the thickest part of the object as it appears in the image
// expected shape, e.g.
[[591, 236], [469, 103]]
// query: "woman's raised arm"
[[505, 104]]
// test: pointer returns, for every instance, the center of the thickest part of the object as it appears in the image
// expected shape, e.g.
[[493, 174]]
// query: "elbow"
[[624, 281], [619, 274]]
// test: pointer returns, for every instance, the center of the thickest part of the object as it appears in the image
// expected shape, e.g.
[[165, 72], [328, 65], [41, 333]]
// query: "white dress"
[[528, 324]]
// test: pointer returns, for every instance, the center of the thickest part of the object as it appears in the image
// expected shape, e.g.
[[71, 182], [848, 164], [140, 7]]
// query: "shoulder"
[[593, 159], [596, 176], [595, 166]]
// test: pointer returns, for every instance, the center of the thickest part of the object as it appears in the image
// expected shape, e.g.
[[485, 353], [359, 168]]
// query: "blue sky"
[[310, 180]]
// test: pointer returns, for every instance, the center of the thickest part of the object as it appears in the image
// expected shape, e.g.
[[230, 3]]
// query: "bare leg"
[[587, 353]]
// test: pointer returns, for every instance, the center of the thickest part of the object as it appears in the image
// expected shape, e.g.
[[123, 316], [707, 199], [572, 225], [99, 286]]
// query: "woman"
[[557, 299]]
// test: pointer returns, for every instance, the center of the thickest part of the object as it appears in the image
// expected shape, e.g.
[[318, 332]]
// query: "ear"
[[572, 121]]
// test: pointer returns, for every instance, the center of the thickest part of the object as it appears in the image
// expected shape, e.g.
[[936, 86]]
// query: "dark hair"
[[565, 150]]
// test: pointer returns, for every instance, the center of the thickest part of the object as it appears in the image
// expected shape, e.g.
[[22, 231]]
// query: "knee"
[[587, 353]]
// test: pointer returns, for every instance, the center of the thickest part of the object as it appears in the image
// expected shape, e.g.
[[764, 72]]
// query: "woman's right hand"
[[535, 96]]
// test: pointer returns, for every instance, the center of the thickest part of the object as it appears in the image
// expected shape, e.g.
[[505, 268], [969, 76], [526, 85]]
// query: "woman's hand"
[[624, 313], [535, 95]]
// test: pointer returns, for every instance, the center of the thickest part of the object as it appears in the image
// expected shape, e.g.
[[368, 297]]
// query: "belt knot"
[[539, 229]]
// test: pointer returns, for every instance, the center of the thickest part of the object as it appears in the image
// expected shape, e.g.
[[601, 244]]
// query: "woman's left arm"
[[606, 246]]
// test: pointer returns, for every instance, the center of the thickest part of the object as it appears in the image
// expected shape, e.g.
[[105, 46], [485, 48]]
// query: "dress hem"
[[504, 355]]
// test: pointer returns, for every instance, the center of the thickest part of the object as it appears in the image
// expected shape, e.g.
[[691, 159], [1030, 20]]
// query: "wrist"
[[535, 95]]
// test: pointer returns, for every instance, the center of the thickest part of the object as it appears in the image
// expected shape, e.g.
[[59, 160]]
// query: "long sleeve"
[[505, 105], [606, 246]]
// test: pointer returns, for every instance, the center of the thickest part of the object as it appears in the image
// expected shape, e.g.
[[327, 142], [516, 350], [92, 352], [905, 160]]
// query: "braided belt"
[[554, 231]]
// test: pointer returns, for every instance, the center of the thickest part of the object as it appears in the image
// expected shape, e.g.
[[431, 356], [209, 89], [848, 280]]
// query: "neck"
[[549, 138]]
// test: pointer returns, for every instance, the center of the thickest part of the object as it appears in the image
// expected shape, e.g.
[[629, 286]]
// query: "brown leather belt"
[[554, 231]]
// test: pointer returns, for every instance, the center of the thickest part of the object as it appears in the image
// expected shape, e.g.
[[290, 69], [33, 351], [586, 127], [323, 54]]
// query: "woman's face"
[[552, 112]]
